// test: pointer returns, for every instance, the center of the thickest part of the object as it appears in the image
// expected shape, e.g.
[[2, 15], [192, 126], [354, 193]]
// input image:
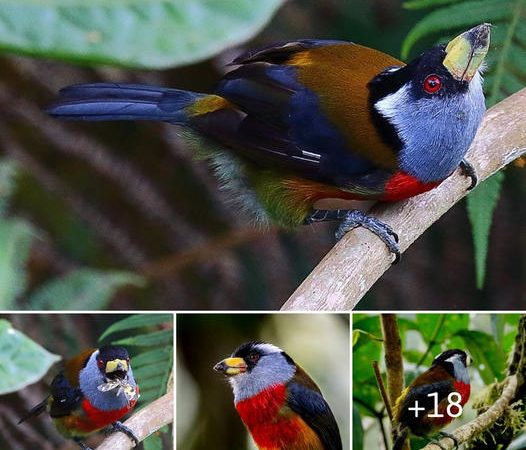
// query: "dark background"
[[83, 186]]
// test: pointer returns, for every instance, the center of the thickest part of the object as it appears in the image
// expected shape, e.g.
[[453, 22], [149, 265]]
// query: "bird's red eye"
[[432, 84], [100, 363]]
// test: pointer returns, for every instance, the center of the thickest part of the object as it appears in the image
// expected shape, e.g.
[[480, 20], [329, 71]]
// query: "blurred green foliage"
[[488, 338], [134, 33], [22, 361]]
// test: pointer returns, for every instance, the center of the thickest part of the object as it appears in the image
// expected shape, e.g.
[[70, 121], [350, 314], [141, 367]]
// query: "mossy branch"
[[351, 268]]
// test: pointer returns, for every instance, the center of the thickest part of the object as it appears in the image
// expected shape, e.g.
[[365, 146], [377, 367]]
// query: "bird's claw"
[[119, 426], [81, 444], [469, 171], [356, 218]]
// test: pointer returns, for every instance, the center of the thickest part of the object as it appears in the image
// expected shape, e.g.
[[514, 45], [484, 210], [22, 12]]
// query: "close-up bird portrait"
[[279, 155], [105, 392], [263, 381]]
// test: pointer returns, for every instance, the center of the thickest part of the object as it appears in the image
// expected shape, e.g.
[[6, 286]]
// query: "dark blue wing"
[[315, 411], [65, 397], [277, 121]]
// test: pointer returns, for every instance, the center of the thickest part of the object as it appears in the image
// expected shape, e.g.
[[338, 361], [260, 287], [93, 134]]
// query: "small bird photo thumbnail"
[[261, 381], [431, 381], [73, 381]]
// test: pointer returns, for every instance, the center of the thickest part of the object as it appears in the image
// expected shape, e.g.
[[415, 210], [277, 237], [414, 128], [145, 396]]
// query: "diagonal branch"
[[143, 423], [351, 268]]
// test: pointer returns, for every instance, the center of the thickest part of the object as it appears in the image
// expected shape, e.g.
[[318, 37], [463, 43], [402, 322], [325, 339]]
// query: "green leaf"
[[136, 321], [22, 361], [16, 237], [481, 203], [134, 33], [457, 16], [150, 370], [357, 429], [83, 289], [421, 4], [149, 339], [489, 360], [153, 442], [152, 356]]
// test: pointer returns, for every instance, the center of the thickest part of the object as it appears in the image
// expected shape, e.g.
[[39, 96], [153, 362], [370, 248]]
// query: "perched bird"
[[278, 402], [93, 391], [448, 373], [304, 121]]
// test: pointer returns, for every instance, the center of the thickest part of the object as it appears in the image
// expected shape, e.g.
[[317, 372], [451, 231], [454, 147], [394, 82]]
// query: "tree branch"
[[355, 263], [143, 423], [394, 365]]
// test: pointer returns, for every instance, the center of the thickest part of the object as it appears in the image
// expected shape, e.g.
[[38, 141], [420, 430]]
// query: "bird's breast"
[[273, 425]]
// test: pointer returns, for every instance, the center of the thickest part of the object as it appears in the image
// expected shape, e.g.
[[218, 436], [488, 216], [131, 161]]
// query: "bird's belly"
[[289, 434], [401, 186], [87, 420]]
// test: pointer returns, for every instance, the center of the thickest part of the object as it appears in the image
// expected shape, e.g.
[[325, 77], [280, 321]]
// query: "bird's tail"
[[111, 101], [38, 409], [399, 439]]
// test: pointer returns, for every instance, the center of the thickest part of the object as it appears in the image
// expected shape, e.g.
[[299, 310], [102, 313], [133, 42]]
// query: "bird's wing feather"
[[66, 397], [306, 400], [286, 107], [420, 392]]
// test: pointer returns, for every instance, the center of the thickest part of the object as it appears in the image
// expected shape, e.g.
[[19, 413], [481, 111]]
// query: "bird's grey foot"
[[81, 444], [354, 218], [469, 171], [119, 426]]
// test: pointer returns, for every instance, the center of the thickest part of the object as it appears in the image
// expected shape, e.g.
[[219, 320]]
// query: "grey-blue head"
[[430, 109], [107, 379]]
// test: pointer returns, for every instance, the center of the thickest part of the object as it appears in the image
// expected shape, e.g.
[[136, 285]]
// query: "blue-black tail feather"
[[111, 101]]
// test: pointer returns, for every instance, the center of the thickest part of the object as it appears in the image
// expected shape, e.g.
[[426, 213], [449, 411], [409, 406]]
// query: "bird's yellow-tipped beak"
[[466, 52], [231, 366], [115, 365]]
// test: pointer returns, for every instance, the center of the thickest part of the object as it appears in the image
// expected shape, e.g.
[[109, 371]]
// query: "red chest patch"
[[271, 425], [401, 186], [95, 419], [464, 390]]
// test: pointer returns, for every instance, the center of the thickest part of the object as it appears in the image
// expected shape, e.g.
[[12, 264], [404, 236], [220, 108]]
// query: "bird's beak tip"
[[466, 52]]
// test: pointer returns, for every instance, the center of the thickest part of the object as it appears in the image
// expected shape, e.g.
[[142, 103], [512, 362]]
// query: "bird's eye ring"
[[432, 84]]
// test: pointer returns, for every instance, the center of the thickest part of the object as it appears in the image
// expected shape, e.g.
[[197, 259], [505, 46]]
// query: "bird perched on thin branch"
[[278, 402], [426, 405], [301, 122], [92, 393]]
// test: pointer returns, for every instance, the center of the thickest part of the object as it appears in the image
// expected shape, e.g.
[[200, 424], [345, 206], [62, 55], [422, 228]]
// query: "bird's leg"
[[350, 219], [81, 444], [469, 171], [119, 426]]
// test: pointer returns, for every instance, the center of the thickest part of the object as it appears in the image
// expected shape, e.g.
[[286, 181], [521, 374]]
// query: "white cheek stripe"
[[388, 106]]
